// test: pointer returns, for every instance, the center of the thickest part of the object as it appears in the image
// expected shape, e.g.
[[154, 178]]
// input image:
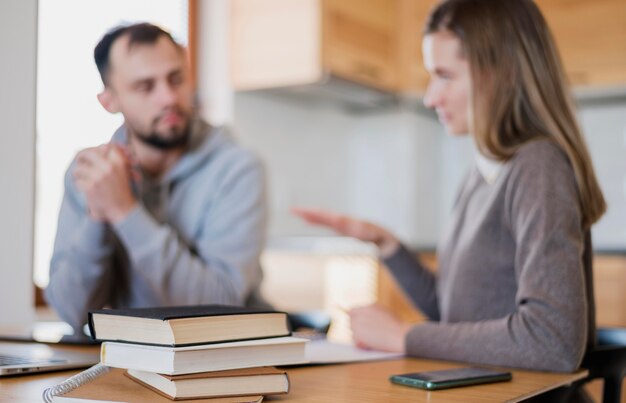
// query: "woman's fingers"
[[319, 217], [313, 216], [346, 225], [342, 224]]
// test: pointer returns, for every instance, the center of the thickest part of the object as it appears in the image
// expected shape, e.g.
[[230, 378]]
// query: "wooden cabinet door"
[[591, 37], [274, 43], [609, 280], [360, 41], [413, 16], [378, 42]]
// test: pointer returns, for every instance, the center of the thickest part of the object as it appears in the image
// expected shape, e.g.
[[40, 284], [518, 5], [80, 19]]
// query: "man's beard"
[[157, 141], [177, 138]]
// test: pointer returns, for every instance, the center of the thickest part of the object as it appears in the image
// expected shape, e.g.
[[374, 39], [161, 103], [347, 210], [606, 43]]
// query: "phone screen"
[[449, 378]]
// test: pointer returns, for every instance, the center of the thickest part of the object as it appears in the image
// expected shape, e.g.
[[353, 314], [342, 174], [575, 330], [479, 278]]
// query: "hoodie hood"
[[204, 140]]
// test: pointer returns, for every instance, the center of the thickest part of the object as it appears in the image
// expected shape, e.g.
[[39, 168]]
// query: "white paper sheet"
[[325, 352]]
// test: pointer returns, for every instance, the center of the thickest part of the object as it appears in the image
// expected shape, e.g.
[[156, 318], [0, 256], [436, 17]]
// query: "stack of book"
[[197, 352]]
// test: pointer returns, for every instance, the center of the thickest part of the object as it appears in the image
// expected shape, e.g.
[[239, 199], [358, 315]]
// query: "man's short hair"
[[141, 33]]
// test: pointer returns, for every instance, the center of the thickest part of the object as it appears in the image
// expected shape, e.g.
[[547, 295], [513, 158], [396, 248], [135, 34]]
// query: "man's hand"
[[376, 328], [103, 173]]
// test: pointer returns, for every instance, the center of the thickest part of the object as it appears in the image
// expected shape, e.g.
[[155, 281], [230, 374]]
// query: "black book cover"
[[180, 312], [184, 311]]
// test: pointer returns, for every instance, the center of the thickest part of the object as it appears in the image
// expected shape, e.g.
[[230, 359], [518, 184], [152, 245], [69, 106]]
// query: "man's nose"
[[167, 94]]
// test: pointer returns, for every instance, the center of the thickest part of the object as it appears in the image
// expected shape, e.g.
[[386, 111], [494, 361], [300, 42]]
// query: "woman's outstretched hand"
[[365, 231]]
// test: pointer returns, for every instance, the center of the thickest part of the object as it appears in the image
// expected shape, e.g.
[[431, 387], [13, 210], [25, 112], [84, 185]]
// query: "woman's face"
[[448, 91]]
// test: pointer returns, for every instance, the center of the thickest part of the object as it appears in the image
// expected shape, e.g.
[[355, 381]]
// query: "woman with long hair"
[[514, 285]]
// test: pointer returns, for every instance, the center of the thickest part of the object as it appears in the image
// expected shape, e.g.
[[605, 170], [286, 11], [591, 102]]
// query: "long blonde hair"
[[519, 91]]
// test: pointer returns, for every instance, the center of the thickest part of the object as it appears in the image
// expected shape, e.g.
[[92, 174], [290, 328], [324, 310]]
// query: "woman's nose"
[[431, 97]]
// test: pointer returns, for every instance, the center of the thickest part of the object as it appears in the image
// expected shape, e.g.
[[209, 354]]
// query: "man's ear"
[[108, 101]]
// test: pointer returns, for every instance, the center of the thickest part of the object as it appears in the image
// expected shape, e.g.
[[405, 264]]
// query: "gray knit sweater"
[[514, 284]]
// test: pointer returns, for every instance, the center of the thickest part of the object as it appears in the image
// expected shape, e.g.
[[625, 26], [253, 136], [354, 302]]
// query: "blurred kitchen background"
[[328, 93]]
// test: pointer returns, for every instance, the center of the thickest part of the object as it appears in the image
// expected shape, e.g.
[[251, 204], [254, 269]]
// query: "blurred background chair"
[[316, 321], [607, 361]]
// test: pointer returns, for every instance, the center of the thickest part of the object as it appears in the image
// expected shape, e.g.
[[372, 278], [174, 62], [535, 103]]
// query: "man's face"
[[150, 85]]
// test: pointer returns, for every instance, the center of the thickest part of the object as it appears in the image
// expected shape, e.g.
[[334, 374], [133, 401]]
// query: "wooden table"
[[360, 382], [368, 382]]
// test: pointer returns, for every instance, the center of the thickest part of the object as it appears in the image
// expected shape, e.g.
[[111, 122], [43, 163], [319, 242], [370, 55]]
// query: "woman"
[[514, 285]]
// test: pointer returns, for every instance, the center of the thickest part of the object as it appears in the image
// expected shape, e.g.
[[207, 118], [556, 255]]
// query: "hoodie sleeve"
[[221, 266], [80, 268]]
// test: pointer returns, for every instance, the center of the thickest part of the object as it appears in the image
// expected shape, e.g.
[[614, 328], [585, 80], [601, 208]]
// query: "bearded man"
[[170, 212]]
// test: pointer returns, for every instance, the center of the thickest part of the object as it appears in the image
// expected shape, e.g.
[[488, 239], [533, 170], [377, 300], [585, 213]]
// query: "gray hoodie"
[[194, 238]]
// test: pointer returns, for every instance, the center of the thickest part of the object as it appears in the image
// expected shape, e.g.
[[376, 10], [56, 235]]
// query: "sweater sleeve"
[[548, 329], [80, 268], [417, 282], [220, 265]]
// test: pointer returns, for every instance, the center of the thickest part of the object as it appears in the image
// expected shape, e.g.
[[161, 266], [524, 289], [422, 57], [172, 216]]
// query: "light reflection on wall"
[[300, 281], [351, 281]]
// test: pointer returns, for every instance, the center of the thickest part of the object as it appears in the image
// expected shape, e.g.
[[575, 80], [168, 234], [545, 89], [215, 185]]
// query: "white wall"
[[379, 166], [397, 168], [305, 149], [395, 176], [18, 39], [604, 125]]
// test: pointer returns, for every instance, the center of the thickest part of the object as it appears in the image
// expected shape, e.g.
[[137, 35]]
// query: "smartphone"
[[450, 378]]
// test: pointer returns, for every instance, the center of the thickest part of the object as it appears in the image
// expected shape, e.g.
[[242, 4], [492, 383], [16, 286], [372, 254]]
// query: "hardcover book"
[[186, 325], [239, 382], [110, 385], [205, 357]]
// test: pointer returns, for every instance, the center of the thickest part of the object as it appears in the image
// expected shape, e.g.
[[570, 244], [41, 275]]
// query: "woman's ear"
[[108, 101]]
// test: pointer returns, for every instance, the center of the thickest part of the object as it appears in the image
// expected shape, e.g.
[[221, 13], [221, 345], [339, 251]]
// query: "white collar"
[[488, 168]]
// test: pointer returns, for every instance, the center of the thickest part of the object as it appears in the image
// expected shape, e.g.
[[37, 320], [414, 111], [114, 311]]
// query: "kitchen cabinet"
[[413, 16], [591, 36], [377, 43], [278, 43], [360, 41]]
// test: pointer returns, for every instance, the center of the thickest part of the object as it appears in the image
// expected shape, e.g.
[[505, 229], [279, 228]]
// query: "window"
[[69, 116]]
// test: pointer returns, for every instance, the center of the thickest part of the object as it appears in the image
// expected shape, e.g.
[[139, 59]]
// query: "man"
[[171, 211]]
